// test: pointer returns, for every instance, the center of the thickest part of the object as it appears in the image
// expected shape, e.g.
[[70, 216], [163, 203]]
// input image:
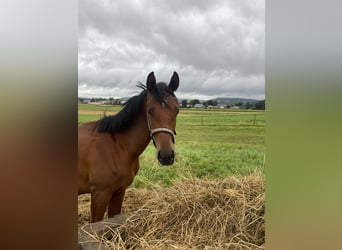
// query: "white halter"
[[159, 130]]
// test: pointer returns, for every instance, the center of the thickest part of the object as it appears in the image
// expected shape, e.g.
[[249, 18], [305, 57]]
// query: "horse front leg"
[[115, 203], [99, 202]]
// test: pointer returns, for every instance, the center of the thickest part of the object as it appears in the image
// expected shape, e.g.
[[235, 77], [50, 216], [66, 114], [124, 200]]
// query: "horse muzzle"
[[166, 157]]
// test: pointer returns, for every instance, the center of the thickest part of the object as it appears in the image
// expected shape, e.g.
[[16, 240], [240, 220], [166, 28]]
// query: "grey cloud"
[[216, 46]]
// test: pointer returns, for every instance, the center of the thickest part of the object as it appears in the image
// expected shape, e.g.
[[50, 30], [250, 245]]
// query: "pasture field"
[[210, 144]]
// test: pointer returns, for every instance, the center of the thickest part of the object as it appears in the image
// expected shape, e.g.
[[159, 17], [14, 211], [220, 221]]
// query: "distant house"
[[199, 106], [212, 107], [86, 101]]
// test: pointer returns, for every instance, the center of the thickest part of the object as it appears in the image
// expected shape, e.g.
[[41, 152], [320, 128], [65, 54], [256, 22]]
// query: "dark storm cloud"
[[217, 47]]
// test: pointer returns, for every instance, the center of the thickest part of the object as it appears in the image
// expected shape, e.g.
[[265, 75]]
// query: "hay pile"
[[194, 214]]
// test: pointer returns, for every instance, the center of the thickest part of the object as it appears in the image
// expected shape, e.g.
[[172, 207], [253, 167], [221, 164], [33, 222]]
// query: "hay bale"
[[194, 214]]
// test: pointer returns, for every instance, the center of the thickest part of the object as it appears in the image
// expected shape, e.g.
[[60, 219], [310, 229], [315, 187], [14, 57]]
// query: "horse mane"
[[131, 109]]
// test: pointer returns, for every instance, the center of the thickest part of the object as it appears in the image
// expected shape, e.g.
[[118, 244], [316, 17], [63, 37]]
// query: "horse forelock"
[[161, 92]]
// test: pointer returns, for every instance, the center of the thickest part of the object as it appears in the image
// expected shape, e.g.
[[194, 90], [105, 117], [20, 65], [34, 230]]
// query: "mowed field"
[[212, 197], [210, 143]]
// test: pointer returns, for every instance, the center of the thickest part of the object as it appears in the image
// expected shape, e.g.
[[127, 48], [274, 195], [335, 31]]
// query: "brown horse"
[[109, 149]]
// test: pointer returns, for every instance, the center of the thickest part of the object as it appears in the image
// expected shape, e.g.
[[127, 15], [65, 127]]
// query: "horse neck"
[[138, 136]]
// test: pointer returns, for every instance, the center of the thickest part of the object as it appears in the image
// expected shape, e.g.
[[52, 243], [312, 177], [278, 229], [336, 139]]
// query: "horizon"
[[127, 97], [182, 96]]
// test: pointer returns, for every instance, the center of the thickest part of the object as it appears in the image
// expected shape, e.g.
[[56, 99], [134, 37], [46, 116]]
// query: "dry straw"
[[192, 214]]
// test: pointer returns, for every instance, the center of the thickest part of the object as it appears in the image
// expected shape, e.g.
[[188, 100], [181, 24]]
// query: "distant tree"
[[116, 101], [194, 102], [207, 103], [239, 104], [213, 102], [184, 103], [260, 105]]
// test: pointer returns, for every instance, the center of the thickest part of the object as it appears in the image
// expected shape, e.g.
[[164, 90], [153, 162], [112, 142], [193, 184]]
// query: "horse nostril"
[[166, 157]]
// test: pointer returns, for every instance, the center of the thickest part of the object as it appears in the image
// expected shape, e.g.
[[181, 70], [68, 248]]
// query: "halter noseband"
[[159, 130]]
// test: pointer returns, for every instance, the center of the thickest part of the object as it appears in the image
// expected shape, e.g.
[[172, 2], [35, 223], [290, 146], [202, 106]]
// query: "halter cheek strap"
[[160, 130]]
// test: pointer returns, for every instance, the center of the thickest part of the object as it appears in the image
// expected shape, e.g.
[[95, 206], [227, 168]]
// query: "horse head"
[[161, 110]]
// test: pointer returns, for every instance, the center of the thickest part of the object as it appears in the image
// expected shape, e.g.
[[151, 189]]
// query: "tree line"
[[259, 105]]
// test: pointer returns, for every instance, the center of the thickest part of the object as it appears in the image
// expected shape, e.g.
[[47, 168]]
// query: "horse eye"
[[150, 111]]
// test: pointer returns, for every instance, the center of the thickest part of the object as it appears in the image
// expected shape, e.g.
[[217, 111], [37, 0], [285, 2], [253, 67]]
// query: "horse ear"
[[151, 81], [174, 82]]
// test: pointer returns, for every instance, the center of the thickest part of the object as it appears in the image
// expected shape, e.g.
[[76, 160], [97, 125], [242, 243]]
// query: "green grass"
[[209, 144], [87, 118], [98, 107], [82, 118]]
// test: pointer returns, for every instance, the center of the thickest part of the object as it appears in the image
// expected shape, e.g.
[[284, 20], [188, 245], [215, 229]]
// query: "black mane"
[[132, 108]]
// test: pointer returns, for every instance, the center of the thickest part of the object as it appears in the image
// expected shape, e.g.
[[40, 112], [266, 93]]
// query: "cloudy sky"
[[217, 47]]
